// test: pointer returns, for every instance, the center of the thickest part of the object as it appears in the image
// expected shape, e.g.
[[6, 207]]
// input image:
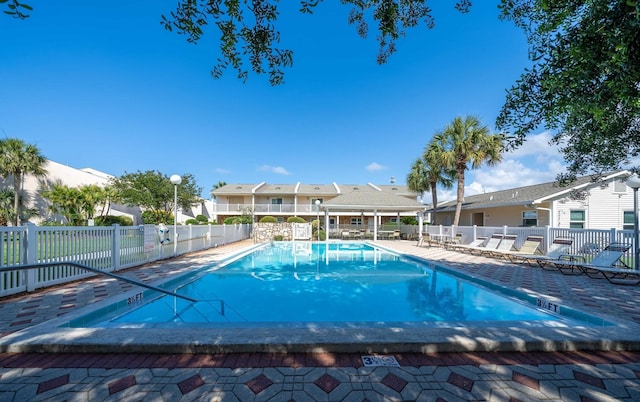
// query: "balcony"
[[264, 209]]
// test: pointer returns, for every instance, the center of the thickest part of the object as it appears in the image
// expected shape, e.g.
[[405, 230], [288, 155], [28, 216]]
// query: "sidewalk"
[[568, 376]]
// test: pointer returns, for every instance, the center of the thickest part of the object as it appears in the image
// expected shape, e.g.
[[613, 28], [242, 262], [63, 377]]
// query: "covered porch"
[[377, 206]]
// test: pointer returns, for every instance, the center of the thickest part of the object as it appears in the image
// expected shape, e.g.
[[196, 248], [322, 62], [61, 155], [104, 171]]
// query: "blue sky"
[[107, 87]]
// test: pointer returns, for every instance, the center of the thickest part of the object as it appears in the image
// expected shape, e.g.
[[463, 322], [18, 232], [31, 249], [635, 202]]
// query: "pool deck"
[[497, 364]]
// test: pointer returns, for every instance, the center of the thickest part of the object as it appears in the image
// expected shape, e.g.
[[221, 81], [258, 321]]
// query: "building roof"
[[372, 200], [315, 189], [310, 189], [235, 189], [534, 194], [348, 197]]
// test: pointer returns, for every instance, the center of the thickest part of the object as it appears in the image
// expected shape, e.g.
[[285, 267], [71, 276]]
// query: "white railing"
[[107, 248], [264, 208]]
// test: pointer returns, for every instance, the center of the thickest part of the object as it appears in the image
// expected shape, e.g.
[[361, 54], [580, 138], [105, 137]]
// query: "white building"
[[68, 176], [603, 204]]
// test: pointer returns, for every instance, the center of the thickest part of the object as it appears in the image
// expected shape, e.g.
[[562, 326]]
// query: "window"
[[627, 220], [356, 221], [276, 201], [530, 218], [619, 187], [576, 219]]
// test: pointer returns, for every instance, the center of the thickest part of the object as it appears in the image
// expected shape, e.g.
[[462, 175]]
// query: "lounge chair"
[[491, 244], [478, 242], [559, 248], [505, 245], [454, 241], [346, 235], [529, 247], [425, 239], [607, 263]]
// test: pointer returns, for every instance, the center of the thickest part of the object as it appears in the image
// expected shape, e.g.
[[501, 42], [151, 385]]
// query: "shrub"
[[296, 219], [315, 224], [409, 220], [319, 235], [278, 237], [268, 219], [203, 220], [155, 217], [51, 223], [232, 220], [191, 222], [246, 219], [113, 220]]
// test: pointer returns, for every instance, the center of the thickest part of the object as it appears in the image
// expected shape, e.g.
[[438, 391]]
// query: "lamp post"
[[175, 180], [634, 182], [318, 217]]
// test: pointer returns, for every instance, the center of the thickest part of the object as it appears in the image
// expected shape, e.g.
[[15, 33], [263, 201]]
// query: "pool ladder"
[[96, 271]]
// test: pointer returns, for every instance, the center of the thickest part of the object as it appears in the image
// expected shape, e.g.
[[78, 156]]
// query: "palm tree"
[[417, 177], [426, 173], [18, 159], [437, 174], [463, 142], [64, 201], [6, 206], [217, 186]]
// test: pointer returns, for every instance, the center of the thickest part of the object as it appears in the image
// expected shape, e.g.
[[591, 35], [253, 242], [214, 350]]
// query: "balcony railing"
[[239, 209], [275, 209]]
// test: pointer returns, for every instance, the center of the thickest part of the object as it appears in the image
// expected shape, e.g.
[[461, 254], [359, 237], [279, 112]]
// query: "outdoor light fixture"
[[634, 182], [318, 211], [175, 180]]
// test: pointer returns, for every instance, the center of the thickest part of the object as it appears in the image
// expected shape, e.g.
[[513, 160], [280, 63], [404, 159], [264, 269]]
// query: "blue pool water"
[[292, 283]]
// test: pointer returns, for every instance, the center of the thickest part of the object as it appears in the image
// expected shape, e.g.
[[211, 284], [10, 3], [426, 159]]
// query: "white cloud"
[[222, 171], [375, 167], [534, 145], [274, 169]]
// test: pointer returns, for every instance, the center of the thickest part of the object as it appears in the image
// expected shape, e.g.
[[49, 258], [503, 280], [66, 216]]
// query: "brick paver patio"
[[550, 376]]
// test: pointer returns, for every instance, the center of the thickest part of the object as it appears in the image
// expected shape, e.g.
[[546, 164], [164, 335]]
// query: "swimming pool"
[[81, 331], [291, 284]]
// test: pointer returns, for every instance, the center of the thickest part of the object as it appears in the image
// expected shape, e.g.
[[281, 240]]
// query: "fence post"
[[612, 235], [547, 235], [30, 245], [505, 230], [115, 252], [224, 233]]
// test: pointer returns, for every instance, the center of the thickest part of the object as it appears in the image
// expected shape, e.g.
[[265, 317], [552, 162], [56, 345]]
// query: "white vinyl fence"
[[107, 248]]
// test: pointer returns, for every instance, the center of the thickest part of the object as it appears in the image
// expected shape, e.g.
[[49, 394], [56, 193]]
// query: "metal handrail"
[[97, 271]]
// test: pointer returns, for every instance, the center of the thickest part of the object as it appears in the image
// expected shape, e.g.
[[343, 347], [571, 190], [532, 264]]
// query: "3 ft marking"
[[135, 298], [547, 305]]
